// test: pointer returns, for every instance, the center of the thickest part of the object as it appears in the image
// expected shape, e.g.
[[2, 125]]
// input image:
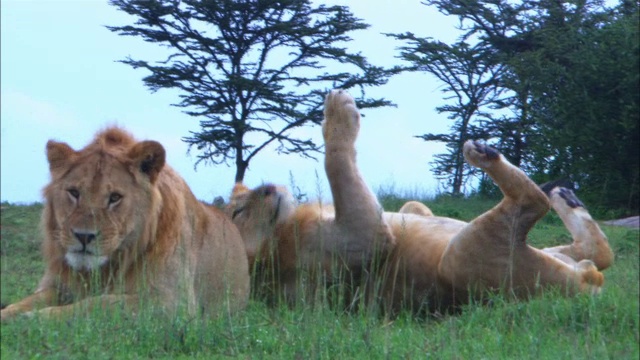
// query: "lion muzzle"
[[85, 237]]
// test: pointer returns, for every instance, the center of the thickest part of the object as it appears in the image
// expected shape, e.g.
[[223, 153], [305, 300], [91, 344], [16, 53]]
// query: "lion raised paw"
[[480, 155], [341, 118], [589, 240], [591, 280]]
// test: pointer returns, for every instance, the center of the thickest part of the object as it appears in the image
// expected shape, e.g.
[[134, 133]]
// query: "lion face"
[[256, 212], [98, 199]]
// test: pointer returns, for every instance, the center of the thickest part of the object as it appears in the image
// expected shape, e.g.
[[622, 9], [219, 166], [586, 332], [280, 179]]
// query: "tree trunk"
[[241, 168]]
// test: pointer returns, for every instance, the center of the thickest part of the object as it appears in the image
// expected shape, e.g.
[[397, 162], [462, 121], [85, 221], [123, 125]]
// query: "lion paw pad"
[[479, 154], [570, 198], [341, 117]]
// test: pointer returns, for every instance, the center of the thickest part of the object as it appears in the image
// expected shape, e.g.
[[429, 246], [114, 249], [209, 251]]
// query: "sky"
[[60, 80]]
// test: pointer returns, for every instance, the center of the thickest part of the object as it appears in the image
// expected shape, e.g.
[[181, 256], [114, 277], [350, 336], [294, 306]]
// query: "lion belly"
[[413, 280]]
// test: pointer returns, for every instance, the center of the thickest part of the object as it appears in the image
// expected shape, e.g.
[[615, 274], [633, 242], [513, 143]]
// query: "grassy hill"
[[549, 327]]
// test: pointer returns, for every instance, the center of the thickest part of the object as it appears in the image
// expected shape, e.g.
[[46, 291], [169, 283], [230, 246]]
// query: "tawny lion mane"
[[424, 262], [119, 223]]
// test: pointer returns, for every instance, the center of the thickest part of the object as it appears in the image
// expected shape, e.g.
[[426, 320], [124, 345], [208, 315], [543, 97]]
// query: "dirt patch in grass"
[[632, 222]]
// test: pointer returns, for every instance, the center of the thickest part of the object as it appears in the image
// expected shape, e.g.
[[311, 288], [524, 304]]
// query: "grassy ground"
[[550, 327]]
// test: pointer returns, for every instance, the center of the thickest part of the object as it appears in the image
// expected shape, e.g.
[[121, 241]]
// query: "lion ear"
[[59, 155], [148, 157], [239, 194], [239, 188]]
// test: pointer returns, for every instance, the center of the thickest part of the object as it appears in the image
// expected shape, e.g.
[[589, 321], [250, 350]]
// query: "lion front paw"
[[562, 195], [341, 117], [480, 155], [591, 280], [4, 316], [9, 313]]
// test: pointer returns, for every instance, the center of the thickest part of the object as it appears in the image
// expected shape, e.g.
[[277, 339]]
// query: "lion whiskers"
[[83, 261]]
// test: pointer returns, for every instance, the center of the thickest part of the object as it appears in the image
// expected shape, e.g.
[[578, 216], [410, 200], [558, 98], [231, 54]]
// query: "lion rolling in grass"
[[420, 261], [121, 228]]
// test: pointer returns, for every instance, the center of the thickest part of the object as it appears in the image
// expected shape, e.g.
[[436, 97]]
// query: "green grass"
[[549, 327]]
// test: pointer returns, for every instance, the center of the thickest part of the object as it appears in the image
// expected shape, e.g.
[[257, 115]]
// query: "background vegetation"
[[550, 327], [253, 72], [554, 85]]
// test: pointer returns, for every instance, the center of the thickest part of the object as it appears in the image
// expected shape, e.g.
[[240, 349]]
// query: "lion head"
[[257, 212], [99, 198]]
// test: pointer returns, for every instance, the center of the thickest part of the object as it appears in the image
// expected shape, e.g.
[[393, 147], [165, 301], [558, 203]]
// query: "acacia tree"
[[251, 68], [502, 30], [475, 76], [469, 76]]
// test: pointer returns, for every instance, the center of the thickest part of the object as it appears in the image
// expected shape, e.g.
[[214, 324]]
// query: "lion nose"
[[84, 237]]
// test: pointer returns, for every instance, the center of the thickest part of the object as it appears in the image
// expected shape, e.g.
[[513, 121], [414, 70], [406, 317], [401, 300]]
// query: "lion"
[[421, 262], [121, 227]]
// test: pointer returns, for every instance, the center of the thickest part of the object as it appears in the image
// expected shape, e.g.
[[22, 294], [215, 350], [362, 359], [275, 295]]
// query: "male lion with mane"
[[121, 227], [424, 262]]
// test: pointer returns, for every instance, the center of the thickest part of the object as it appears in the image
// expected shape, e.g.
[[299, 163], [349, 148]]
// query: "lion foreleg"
[[105, 303], [538, 271], [39, 299], [589, 242], [357, 211]]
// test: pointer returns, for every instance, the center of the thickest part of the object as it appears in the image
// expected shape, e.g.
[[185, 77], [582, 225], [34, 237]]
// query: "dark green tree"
[[503, 29], [490, 101], [585, 83], [253, 71], [570, 89]]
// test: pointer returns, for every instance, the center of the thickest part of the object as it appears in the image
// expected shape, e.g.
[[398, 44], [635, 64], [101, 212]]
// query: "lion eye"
[[114, 198], [237, 212], [267, 190], [74, 193]]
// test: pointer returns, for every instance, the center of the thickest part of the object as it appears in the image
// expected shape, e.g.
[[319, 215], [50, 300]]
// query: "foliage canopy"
[[253, 71], [558, 91]]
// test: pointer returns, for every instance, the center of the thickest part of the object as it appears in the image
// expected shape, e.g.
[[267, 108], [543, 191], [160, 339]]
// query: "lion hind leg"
[[511, 180], [486, 250], [357, 211], [589, 242], [523, 204]]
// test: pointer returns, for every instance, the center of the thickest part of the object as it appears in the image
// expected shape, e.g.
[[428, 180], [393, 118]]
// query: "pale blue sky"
[[60, 80]]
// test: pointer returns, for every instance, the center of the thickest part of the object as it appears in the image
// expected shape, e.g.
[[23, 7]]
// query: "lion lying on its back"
[[119, 224], [420, 261]]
